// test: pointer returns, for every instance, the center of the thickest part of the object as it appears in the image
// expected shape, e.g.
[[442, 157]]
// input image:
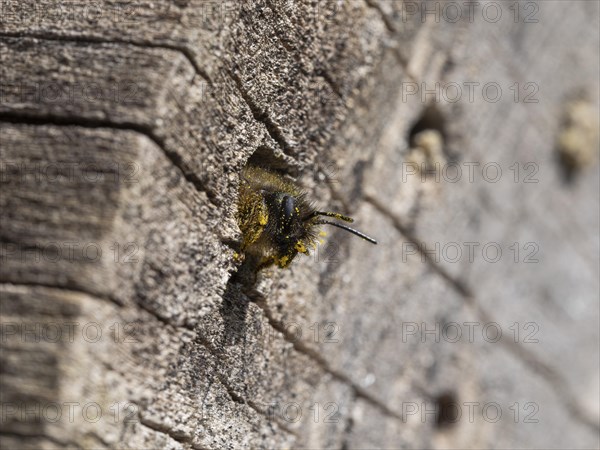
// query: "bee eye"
[[287, 205]]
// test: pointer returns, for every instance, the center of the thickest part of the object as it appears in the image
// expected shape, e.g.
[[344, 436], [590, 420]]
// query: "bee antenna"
[[330, 214], [351, 230]]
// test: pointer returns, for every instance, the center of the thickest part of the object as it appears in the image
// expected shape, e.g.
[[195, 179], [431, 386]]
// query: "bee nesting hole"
[[448, 410], [273, 159], [577, 145], [428, 150], [431, 119]]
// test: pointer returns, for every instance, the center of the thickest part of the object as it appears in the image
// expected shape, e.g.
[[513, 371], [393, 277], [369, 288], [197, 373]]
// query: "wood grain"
[[124, 128]]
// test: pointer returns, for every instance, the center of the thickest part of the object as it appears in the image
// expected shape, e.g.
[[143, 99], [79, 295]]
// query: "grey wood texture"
[[124, 128]]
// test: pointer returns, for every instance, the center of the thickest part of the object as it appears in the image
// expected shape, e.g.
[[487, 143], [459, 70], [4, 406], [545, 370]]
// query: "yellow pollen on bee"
[[283, 261], [263, 219], [322, 233], [300, 247]]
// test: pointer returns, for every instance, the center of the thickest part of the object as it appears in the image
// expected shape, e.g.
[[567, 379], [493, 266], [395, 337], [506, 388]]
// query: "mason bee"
[[277, 220]]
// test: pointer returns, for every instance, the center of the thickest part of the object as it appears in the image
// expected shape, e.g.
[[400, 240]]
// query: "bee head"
[[278, 221], [288, 229], [294, 226]]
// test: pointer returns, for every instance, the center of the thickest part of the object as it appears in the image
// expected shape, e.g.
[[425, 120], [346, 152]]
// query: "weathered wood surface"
[[123, 132]]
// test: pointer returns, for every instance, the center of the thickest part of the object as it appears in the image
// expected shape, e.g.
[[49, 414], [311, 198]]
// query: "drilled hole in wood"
[[270, 159], [448, 410], [431, 119], [577, 143]]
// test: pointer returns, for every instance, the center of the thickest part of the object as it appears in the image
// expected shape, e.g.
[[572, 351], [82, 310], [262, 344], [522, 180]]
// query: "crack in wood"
[[320, 72], [48, 36], [321, 361], [546, 372], [159, 428], [247, 402], [86, 122], [205, 343], [551, 376], [301, 348], [18, 435], [458, 285], [261, 116], [391, 28], [384, 17], [345, 445], [67, 288]]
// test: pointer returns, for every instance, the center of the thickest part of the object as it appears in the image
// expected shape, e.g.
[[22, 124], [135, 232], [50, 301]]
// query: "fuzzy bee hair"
[[276, 219]]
